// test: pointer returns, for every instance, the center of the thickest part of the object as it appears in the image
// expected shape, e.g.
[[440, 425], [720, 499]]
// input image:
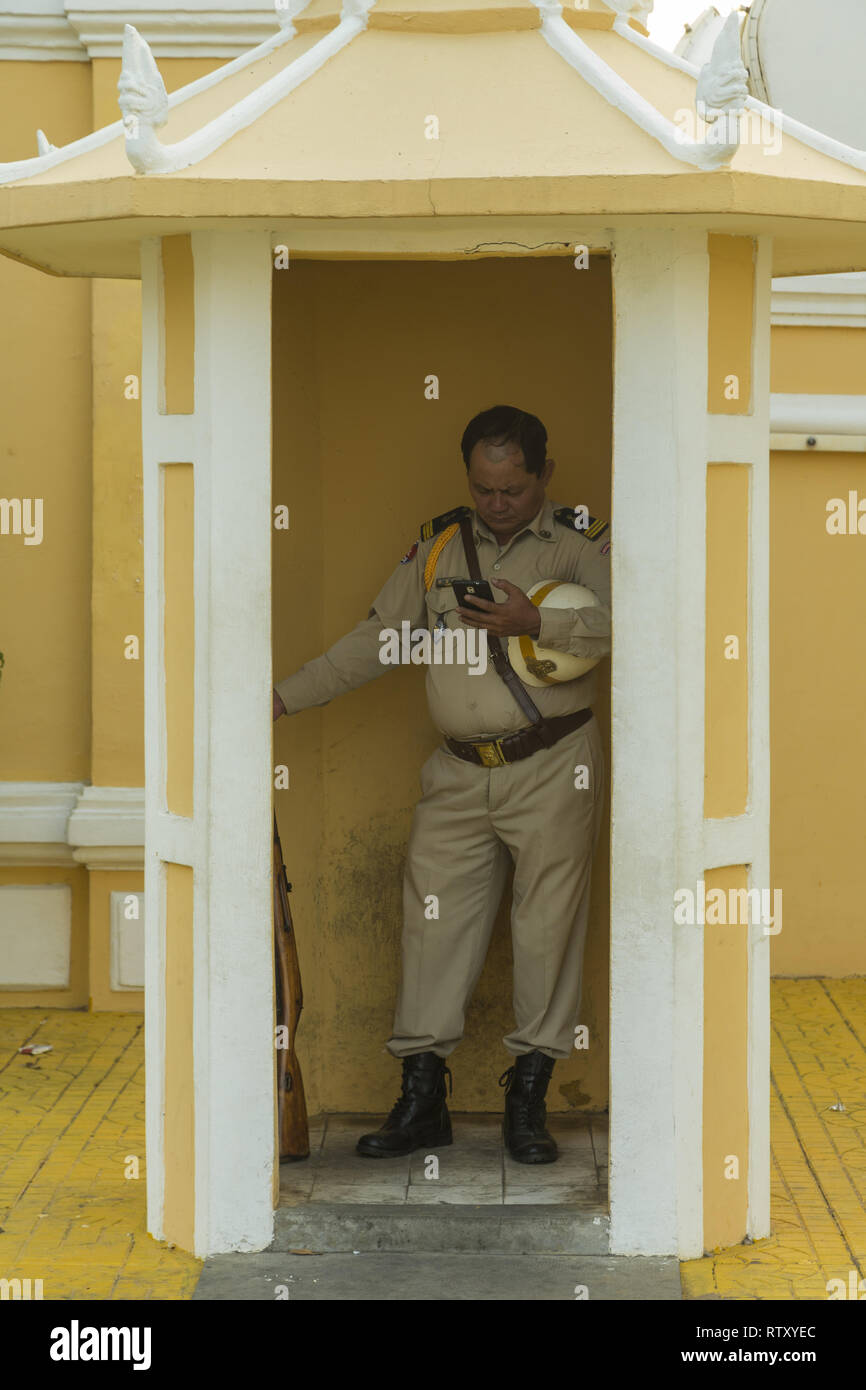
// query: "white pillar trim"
[[174, 839], [154, 733], [660, 282], [759, 748], [233, 791]]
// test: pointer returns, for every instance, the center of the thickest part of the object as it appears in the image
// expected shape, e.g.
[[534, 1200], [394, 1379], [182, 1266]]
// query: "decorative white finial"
[[143, 101], [722, 93], [723, 82], [632, 9], [43, 144]]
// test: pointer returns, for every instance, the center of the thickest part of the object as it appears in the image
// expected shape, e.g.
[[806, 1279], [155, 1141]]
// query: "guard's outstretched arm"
[[354, 659]]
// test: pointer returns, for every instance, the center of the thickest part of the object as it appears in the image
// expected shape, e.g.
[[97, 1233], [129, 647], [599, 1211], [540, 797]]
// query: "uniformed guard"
[[519, 775]]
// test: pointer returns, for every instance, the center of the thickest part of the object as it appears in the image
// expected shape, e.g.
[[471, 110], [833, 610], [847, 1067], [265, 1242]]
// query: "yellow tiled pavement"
[[70, 1122], [818, 1205]]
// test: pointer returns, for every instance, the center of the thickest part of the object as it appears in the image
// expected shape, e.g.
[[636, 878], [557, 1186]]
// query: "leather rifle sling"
[[501, 665]]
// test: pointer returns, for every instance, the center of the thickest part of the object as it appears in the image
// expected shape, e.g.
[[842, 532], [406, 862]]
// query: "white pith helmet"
[[542, 665]]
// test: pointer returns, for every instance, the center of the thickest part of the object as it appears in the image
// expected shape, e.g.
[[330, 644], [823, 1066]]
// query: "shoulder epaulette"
[[595, 527], [432, 528]]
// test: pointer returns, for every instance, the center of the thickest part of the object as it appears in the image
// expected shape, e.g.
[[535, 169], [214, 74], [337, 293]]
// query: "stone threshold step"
[[342, 1228]]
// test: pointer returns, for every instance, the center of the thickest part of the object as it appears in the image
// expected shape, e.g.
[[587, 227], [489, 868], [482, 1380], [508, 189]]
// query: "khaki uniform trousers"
[[468, 821]]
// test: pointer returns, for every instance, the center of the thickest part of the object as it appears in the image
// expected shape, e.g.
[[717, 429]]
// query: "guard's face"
[[506, 497]]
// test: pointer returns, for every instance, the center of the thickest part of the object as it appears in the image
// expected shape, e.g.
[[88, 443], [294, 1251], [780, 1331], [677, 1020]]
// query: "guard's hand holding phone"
[[517, 617]]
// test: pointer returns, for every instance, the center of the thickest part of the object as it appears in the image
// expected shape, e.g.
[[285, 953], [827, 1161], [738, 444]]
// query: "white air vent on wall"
[[35, 932], [127, 941]]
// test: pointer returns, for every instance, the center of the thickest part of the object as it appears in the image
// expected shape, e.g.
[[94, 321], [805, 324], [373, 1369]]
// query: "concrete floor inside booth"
[[377, 368], [476, 1170]]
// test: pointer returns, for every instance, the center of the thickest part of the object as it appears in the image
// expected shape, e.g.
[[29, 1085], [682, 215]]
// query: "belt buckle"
[[491, 754]]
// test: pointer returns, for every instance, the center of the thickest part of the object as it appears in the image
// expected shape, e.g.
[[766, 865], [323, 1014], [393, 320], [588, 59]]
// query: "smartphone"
[[478, 588]]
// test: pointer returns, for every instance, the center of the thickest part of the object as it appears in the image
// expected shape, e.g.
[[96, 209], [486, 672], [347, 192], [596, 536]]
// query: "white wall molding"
[[49, 30], [110, 857], [39, 31], [36, 812], [805, 414], [71, 823], [197, 31], [108, 816], [820, 301], [50, 853], [818, 443]]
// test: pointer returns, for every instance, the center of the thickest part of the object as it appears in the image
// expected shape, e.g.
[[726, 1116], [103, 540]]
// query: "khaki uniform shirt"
[[465, 705]]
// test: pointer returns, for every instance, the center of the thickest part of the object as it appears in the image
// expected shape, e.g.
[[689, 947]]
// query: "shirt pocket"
[[442, 607]]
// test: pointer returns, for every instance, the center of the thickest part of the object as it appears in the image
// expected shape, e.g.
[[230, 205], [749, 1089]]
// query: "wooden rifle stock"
[[292, 1106]]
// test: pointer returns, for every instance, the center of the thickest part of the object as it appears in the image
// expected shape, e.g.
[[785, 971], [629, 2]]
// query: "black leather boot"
[[523, 1129], [420, 1117]]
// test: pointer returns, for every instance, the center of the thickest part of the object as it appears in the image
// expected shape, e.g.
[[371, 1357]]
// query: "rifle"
[[292, 1106]]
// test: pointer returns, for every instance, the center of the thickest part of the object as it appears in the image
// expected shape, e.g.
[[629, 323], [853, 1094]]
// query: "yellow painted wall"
[[818, 732], [118, 574], [726, 744], [818, 361], [75, 997], [725, 1071], [818, 674], [179, 1212], [45, 413], [361, 459], [179, 636], [71, 704], [178, 325], [104, 882], [731, 314]]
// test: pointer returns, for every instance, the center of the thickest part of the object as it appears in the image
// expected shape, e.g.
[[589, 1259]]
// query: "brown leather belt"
[[511, 748]]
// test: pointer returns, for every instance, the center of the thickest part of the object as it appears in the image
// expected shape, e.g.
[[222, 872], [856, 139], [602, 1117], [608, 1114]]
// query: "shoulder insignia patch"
[[569, 516], [432, 528], [409, 553]]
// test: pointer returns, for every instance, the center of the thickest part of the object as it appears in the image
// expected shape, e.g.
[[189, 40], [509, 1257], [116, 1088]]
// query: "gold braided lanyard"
[[435, 552]]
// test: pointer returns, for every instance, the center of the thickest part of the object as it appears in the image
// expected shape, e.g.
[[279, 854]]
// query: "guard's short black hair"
[[505, 424]]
